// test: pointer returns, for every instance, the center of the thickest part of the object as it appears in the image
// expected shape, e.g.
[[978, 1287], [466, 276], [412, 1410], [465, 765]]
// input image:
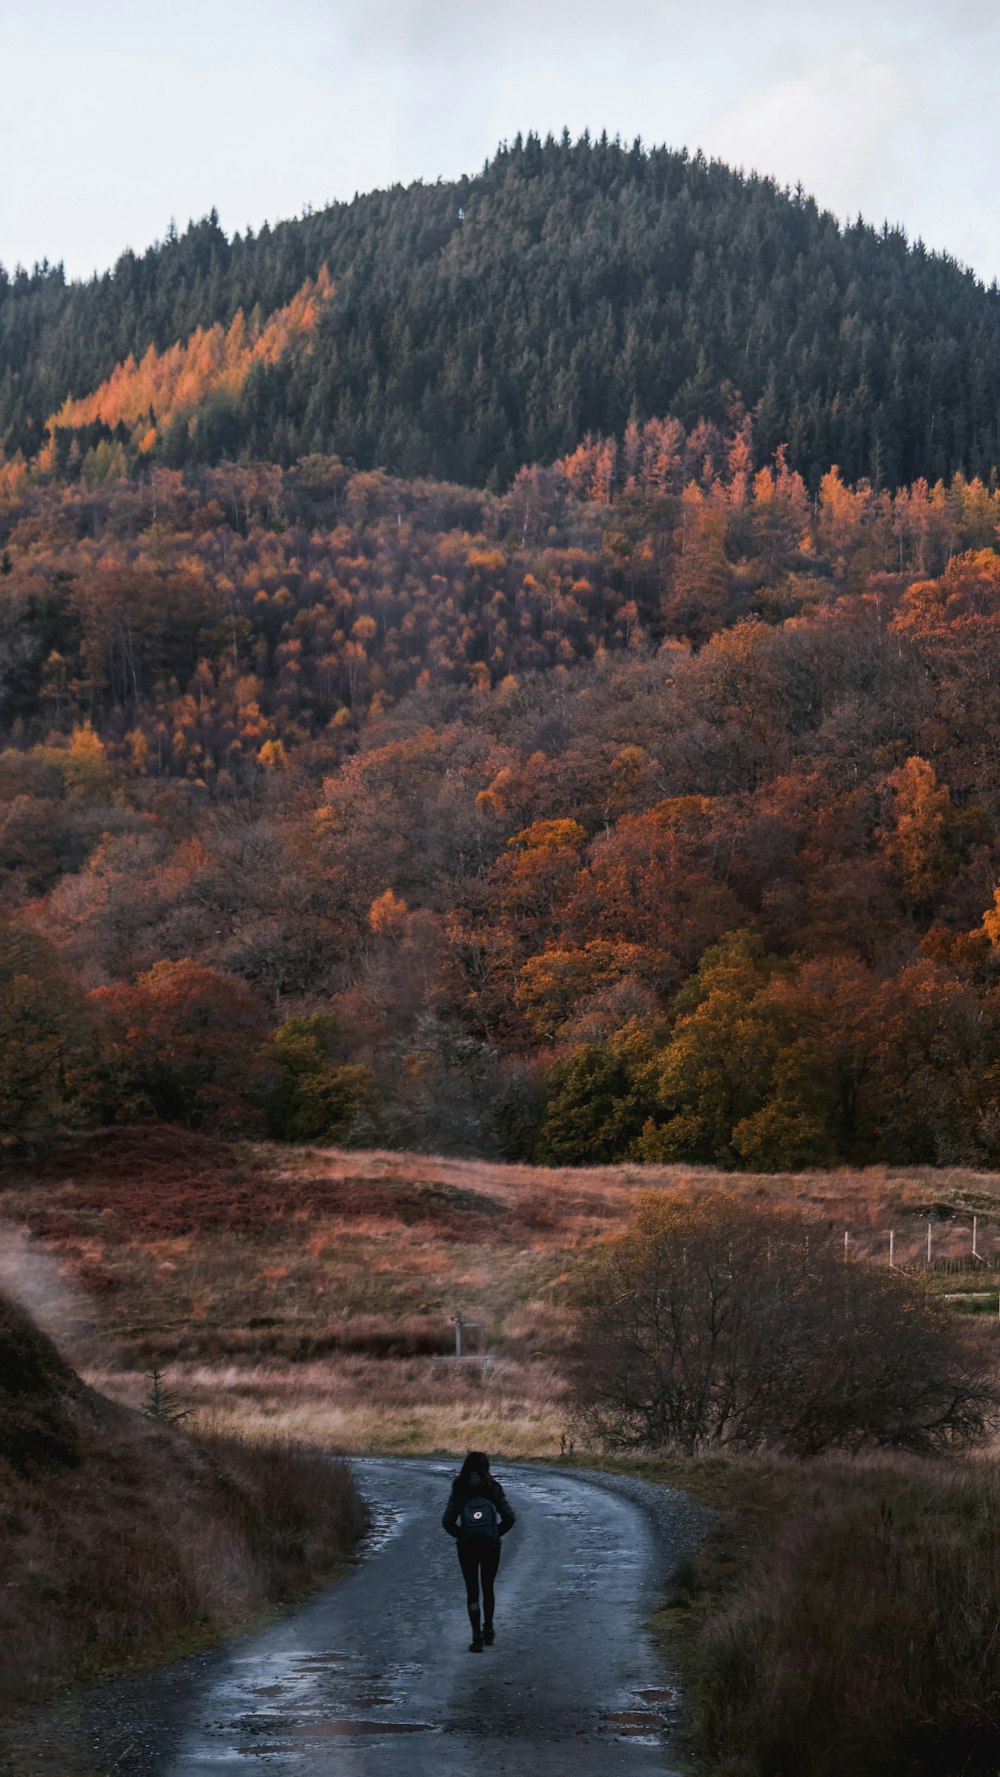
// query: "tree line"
[[568, 287]]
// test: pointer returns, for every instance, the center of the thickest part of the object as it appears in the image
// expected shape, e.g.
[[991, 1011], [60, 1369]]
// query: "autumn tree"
[[181, 1044], [534, 879], [650, 882], [554, 984], [938, 1083], [695, 603], [917, 839], [823, 1096]]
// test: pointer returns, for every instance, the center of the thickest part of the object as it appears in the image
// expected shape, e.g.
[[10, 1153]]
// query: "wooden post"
[[462, 1326], [846, 1239], [928, 1240], [975, 1236], [892, 1246]]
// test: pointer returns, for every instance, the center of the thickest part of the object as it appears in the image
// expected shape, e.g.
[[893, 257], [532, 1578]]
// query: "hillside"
[[570, 825], [492, 321], [644, 809], [121, 1537]]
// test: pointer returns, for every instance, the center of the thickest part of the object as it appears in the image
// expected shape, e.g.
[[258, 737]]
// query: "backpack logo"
[[480, 1518]]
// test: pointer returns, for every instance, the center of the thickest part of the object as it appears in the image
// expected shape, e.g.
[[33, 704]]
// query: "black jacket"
[[462, 1492]]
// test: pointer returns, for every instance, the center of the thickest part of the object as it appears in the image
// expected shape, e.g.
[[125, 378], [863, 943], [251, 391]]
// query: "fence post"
[[892, 1247]]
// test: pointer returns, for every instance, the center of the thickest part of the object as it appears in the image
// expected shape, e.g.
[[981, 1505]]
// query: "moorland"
[[310, 1293]]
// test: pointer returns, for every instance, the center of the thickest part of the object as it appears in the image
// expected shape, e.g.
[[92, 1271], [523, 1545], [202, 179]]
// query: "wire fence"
[[949, 1248], [960, 1250]]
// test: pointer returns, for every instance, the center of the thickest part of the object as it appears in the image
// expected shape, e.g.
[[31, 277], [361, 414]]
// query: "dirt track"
[[374, 1678]]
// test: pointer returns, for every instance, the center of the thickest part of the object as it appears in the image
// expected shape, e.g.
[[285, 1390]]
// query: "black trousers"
[[479, 1557]]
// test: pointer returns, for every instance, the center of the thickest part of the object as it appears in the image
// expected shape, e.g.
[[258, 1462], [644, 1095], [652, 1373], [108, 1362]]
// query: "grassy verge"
[[840, 1616], [120, 1537], [135, 1556], [370, 1406]]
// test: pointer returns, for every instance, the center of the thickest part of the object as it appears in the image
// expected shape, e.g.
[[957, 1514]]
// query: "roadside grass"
[[121, 1536], [840, 1615], [360, 1405], [147, 1550]]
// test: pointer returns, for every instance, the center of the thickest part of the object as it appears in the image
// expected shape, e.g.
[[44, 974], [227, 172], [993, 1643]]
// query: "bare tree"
[[723, 1324]]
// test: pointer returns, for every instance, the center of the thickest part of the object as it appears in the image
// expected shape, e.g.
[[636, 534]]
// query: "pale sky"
[[118, 115]]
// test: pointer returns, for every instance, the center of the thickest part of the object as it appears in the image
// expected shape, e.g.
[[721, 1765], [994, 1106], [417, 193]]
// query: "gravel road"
[[374, 1678]]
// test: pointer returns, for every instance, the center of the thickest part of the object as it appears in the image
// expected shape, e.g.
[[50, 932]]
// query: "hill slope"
[[497, 319], [118, 1535]]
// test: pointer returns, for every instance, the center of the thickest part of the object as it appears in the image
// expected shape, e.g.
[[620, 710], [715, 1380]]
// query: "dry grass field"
[[310, 1292]]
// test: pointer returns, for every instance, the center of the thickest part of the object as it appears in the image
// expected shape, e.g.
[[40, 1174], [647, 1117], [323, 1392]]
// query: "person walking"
[[477, 1515]]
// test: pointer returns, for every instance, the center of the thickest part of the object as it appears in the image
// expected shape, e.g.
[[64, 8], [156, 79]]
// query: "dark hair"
[[476, 1463]]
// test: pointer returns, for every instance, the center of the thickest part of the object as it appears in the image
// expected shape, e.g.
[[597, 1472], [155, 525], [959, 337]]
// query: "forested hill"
[[568, 288]]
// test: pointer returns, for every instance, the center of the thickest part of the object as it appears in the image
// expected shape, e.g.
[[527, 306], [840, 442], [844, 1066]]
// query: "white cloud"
[[120, 143], [114, 117], [826, 128]]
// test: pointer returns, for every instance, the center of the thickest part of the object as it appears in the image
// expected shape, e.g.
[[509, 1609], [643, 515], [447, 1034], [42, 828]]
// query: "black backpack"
[[479, 1517]]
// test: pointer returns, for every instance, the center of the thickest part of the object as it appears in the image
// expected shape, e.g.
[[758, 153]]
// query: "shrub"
[[719, 1323]]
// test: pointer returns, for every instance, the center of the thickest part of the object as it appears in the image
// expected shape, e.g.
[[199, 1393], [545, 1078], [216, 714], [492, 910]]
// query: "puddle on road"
[[301, 1701], [308, 1662], [640, 1730], [644, 1726], [337, 1730]]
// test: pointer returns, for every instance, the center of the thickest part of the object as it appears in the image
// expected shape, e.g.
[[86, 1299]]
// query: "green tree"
[[600, 1097], [310, 1095], [43, 1033], [716, 1070]]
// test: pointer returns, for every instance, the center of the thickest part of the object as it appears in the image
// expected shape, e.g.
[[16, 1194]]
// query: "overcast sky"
[[118, 115]]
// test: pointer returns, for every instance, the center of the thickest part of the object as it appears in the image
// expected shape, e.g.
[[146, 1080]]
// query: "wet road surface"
[[374, 1677]]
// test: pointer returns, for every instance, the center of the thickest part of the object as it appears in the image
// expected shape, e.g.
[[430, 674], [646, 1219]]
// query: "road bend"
[[374, 1678]]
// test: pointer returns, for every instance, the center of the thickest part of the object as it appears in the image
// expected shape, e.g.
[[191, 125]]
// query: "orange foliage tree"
[[181, 1044]]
